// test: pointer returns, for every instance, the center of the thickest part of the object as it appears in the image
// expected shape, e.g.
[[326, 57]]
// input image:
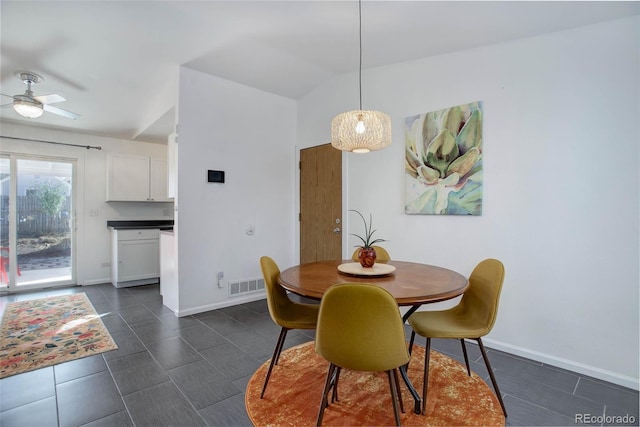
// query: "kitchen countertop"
[[162, 224]]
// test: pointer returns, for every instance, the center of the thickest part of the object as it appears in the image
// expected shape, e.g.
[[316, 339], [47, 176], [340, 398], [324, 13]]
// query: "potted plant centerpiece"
[[367, 254]]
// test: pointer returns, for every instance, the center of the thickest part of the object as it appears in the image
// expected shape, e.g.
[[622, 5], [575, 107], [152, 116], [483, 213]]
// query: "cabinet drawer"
[[139, 234]]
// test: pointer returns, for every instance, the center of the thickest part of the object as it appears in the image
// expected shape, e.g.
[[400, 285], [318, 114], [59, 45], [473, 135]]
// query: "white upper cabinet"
[[136, 179], [158, 183]]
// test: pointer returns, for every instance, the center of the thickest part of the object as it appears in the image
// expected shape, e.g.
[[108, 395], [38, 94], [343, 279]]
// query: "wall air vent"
[[245, 287]]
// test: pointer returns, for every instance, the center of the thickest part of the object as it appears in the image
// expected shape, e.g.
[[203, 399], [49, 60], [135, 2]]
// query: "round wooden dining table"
[[412, 284]]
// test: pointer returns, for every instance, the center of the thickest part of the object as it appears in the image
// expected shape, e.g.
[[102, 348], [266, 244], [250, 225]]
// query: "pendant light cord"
[[360, 47]]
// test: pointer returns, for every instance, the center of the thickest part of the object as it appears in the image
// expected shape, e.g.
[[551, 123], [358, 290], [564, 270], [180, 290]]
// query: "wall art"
[[443, 161]]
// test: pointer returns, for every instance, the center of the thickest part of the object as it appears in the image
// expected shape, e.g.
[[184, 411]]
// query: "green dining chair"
[[360, 329], [381, 254], [284, 312], [472, 318]]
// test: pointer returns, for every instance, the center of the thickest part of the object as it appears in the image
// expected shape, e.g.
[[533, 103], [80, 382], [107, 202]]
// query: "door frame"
[[344, 186], [13, 157]]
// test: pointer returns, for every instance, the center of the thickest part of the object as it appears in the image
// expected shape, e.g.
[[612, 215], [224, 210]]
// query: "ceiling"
[[117, 62]]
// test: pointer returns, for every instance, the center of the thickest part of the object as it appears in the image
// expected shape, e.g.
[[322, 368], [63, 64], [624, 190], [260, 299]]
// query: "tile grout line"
[[166, 370], [111, 372]]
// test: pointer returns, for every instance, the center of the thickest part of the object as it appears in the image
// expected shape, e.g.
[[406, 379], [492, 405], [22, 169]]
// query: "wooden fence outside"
[[32, 220]]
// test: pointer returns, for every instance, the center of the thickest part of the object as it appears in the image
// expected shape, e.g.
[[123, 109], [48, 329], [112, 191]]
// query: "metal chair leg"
[[274, 358], [395, 377], [325, 394], [283, 334], [425, 377], [466, 358], [493, 378], [394, 396], [334, 395]]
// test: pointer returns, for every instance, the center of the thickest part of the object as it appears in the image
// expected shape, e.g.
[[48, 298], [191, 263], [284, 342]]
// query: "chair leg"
[[283, 335], [394, 396], [274, 358], [325, 394], [395, 377], [3, 274], [466, 358], [493, 378], [3, 271], [334, 395], [425, 377]]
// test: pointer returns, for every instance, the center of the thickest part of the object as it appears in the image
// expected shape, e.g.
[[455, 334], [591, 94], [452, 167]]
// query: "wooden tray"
[[355, 269]]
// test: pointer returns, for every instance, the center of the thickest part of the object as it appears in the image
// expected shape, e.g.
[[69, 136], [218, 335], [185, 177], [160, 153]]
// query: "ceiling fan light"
[[361, 131], [27, 108]]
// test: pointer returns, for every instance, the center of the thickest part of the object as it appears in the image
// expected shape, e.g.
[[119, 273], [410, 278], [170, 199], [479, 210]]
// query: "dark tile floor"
[[193, 371]]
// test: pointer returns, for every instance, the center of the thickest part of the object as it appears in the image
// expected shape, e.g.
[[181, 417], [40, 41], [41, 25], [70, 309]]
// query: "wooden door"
[[320, 204]]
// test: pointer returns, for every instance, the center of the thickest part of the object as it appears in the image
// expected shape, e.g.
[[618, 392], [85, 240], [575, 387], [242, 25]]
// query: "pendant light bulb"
[[360, 127]]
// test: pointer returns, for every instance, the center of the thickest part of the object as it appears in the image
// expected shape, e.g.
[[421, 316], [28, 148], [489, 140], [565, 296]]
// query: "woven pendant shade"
[[361, 131]]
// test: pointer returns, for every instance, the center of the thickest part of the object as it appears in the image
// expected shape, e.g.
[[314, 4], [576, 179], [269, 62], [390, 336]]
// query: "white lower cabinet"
[[135, 257]]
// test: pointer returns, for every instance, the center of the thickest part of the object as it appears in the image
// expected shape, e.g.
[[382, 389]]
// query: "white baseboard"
[[222, 304], [570, 365], [96, 282]]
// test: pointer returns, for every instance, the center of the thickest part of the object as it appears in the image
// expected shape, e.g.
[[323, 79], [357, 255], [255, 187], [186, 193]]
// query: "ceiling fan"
[[32, 107]]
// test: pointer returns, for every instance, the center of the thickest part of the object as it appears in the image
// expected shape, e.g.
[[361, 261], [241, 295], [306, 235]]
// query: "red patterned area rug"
[[294, 393], [47, 331]]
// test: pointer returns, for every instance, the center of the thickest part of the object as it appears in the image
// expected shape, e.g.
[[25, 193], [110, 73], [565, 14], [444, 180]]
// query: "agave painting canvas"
[[443, 161]]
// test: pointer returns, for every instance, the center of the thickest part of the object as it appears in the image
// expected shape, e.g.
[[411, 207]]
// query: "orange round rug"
[[295, 390]]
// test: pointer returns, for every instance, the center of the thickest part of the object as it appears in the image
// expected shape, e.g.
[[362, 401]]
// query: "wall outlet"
[[220, 279], [93, 212], [105, 264]]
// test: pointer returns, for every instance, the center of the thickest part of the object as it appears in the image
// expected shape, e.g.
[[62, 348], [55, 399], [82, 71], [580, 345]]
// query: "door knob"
[[336, 230]]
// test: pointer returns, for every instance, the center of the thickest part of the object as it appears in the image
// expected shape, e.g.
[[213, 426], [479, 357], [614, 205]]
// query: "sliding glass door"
[[36, 222]]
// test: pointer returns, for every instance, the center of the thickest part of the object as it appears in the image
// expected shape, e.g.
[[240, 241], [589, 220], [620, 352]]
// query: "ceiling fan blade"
[[60, 112], [6, 105], [49, 99], [8, 96]]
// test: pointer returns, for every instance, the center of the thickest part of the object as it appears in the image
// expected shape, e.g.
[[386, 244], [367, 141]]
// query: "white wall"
[[249, 134], [92, 240], [561, 185]]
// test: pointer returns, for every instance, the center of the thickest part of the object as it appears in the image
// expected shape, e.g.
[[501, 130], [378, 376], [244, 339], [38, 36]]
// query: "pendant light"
[[361, 131]]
